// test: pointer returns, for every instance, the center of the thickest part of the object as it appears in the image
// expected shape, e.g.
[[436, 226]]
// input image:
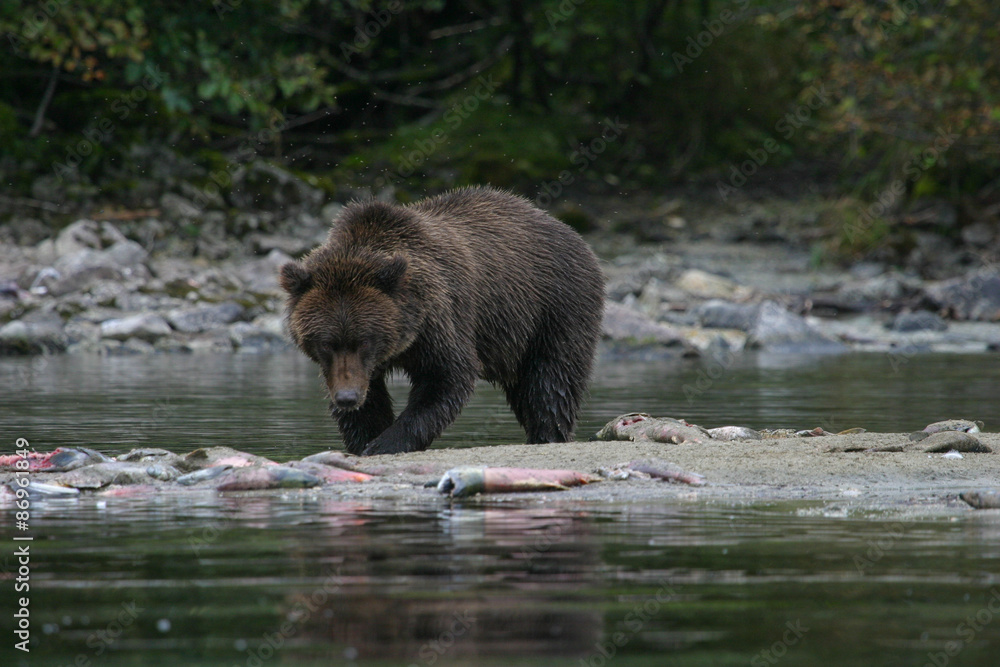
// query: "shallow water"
[[307, 578], [283, 580], [275, 405]]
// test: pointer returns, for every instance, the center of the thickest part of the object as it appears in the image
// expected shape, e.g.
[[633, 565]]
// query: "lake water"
[[196, 578]]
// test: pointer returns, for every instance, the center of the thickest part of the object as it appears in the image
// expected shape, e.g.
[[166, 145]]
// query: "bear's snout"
[[347, 381], [347, 399]]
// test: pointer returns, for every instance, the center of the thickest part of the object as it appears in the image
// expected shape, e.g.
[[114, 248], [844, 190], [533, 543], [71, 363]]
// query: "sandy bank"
[[735, 472]]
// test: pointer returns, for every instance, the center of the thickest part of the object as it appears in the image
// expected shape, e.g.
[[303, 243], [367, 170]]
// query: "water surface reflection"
[[308, 578]]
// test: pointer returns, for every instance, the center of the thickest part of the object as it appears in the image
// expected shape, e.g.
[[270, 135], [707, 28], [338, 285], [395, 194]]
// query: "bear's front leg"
[[436, 398], [361, 426]]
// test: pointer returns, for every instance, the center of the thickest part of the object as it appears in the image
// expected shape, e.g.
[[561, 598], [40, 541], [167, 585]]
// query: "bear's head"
[[345, 313]]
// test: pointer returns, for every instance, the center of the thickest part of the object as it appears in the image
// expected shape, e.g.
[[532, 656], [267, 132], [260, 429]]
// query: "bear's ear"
[[390, 275], [295, 279]]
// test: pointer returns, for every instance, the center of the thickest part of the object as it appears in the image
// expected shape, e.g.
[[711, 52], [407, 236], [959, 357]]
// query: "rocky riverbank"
[[721, 297], [198, 273]]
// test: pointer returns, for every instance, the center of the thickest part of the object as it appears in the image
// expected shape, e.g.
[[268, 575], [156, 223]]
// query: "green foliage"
[[910, 76], [354, 88], [79, 38]]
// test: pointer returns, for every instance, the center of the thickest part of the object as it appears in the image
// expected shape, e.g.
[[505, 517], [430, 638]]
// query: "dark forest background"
[[889, 103]]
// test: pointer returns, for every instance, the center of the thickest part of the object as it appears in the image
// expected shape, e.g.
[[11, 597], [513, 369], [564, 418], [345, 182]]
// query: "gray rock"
[[247, 222], [83, 270], [629, 274], [290, 245], [867, 270], [204, 318], [627, 284], [622, 323], [86, 235], [708, 285], [36, 333], [869, 294], [978, 234], [78, 270], [261, 185], [720, 314], [116, 348], [272, 323], [775, 329], [216, 247], [125, 254], [137, 346], [146, 326], [24, 231], [209, 341], [82, 335], [658, 299], [920, 321], [975, 296], [261, 275], [171, 345], [97, 314], [249, 338], [105, 292]]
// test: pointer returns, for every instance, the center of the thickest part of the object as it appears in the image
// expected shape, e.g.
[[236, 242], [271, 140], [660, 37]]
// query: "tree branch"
[[43, 106], [464, 28], [472, 70]]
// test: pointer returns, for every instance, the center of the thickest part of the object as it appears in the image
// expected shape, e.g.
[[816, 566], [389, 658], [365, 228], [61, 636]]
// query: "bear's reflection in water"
[[496, 582]]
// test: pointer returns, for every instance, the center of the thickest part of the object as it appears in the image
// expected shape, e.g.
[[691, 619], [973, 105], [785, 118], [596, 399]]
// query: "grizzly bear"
[[474, 283]]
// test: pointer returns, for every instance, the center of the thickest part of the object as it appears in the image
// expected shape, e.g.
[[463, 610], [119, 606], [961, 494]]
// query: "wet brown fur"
[[473, 283]]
